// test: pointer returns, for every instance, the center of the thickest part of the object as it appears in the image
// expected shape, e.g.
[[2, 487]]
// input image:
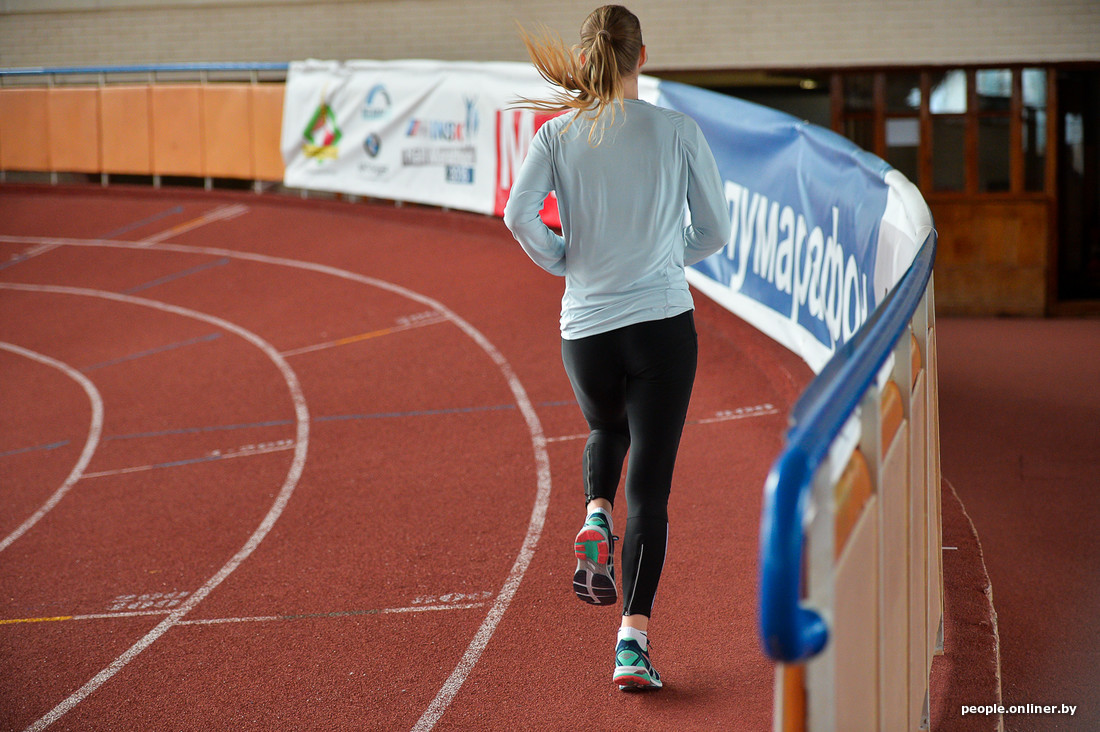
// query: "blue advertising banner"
[[806, 206]]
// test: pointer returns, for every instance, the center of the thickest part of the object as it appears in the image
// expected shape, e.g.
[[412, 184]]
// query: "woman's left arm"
[[710, 217]]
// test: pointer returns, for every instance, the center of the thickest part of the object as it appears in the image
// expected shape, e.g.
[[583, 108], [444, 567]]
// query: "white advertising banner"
[[430, 132]]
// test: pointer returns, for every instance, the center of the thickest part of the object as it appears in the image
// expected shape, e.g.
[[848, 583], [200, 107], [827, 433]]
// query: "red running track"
[[274, 465]]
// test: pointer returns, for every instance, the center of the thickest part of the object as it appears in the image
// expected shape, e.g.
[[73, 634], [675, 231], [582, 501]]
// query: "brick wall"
[[705, 34]]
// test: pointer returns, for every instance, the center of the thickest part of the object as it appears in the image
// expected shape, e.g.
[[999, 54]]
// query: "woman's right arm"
[[522, 213]]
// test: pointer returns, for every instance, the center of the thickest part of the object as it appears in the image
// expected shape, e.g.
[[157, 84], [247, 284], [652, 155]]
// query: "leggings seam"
[[589, 488], [637, 574]]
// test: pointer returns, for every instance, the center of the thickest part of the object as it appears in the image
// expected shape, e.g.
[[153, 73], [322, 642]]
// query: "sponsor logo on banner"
[[803, 272], [459, 174], [377, 103], [412, 157], [372, 145], [456, 152], [446, 130], [515, 130], [322, 134]]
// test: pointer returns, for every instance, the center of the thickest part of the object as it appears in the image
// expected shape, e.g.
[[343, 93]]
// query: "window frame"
[[971, 123]]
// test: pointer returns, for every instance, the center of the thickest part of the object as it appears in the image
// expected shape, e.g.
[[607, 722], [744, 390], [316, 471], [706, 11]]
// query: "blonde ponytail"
[[611, 44]]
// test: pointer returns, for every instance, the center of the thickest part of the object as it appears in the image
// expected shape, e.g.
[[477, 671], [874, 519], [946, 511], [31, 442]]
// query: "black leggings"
[[633, 385]]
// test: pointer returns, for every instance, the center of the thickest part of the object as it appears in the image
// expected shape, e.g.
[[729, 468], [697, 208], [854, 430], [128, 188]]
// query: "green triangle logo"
[[322, 134]]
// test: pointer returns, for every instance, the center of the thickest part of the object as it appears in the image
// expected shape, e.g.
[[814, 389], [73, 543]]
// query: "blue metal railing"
[[144, 69], [790, 632]]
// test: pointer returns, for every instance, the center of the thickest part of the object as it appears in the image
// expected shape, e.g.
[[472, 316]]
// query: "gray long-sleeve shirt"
[[621, 202]]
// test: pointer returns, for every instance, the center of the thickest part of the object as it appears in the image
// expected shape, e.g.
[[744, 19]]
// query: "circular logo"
[[372, 144]]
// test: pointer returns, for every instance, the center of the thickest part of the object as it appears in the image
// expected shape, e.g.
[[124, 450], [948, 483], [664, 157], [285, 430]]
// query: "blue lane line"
[[152, 351], [333, 418], [420, 413], [177, 275], [192, 461], [143, 222], [12, 262], [198, 430], [51, 446]]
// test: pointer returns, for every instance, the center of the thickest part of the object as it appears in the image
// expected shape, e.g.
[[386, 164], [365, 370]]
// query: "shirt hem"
[[642, 316]]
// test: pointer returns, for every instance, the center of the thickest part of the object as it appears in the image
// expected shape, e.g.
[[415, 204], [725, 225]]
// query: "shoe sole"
[[593, 582], [635, 678]]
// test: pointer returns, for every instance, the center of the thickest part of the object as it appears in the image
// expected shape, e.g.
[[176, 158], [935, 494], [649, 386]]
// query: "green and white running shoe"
[[594, 580], [633, 670]]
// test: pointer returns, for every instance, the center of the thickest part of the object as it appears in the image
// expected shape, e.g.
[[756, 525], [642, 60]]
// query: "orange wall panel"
[[267, 120], [125, 126], [794, 697], [914, 352], [853, 489], [74, 129], [24, 129], [227, 130], [177, 130], [217, 130], [893, 414]]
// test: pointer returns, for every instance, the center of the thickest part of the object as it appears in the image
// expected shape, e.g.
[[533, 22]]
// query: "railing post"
[[820, 592]]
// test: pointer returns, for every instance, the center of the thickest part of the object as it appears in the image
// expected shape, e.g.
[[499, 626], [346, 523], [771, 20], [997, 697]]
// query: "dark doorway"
[[1079, 185]]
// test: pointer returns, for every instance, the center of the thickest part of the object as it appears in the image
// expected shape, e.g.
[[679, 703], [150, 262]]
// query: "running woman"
[[623, 170]]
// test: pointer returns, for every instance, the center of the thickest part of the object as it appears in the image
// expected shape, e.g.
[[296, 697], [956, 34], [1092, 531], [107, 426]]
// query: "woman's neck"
[[630, 87]]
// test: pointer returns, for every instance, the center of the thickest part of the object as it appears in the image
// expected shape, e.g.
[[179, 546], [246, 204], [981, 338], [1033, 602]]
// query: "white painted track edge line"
[[537, 519], [258, 535], [125, 614], [91, 443]]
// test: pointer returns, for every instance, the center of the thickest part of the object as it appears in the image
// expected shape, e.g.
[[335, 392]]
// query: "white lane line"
[[760, 410], [40, 242], [47, 244], [294, 474], [95, 616], [248, 619], [538, 443], [334, 615], [223, 621], [432, 608], [90, 444], [221, 213], [567, 438], [366, 336], [40, 248], [248, 451], [727, 415]]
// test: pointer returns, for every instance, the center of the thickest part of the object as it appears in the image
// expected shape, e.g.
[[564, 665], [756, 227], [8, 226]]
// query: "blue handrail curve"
[[789, 632]]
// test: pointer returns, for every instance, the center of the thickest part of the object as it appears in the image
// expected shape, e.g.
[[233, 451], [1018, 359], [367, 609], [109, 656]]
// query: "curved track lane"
[[396, 577]]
